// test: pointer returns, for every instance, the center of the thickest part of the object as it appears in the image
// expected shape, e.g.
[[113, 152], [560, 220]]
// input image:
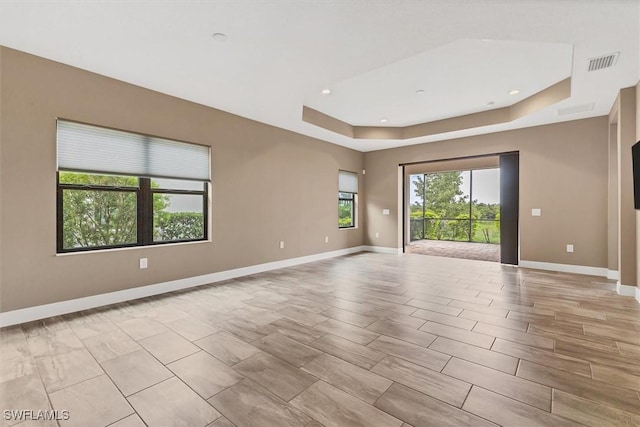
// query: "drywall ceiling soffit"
[[536, 102], [448, 88], [278, 54]]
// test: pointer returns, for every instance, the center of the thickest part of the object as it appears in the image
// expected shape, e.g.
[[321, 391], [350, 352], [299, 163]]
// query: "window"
[[347, 199], [118, 189]]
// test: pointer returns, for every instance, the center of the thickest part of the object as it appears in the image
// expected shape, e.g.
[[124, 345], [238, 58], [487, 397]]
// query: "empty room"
[[319, 213]]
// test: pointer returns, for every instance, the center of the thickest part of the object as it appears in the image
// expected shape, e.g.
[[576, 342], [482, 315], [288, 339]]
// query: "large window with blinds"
[[118, 189], [347, 199]]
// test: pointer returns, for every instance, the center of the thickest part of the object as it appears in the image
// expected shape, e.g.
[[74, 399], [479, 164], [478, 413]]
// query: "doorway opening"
[[463, 208], [456, 214]]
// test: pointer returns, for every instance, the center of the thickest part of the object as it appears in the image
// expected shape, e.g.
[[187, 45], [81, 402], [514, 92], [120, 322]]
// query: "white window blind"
[[347, 182], [86, 148]]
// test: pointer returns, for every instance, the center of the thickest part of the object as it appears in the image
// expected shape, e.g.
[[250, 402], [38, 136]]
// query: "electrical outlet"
[[326, 239], [377, 235], [536, 212], [385, 211], [144, 262], [569, 248], [281, 244]]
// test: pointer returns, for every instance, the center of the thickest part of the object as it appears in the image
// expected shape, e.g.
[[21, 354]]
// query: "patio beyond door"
[[461, 206]]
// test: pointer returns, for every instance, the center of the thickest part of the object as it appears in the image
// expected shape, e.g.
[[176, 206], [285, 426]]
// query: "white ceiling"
[[279, 54]]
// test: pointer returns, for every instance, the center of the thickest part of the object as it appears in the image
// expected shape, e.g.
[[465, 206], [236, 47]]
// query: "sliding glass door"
[[456, 206]]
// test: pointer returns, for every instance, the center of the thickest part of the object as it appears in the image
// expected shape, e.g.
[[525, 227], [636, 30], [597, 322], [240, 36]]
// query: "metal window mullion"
[[166, 191], [470, 200], [145, 212], [424, 206], [59, 216], [353, 212], [81, 187], [205, 210]]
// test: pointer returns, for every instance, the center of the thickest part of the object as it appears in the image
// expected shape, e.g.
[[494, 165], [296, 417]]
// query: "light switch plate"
[[569, 248], [536, 212], [144, 262]]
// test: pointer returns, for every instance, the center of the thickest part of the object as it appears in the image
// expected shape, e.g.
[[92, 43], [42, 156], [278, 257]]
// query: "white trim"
[[131, 248], [613, 274], [70, 306], [382, 250], [565, 268], [628, 291]]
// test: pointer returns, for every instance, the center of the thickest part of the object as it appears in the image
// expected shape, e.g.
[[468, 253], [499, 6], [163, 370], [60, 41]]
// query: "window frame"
[[352, 201], [144, 212]]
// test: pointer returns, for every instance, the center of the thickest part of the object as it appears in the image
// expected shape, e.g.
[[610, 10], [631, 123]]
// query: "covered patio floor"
[[464, 250]]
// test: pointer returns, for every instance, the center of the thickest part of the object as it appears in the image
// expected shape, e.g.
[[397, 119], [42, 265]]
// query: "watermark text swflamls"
[[36, 415]]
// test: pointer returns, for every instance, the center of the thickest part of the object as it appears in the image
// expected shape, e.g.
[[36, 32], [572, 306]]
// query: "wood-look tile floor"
[[362, 340]]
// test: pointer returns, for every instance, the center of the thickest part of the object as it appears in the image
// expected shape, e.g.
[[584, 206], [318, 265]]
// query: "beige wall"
[[638, 112], [268, 185], [612, 207], [623, 113], [563, 171]]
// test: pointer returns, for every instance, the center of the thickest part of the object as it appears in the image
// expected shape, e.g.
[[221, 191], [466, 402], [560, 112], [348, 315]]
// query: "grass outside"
[[484, 231]]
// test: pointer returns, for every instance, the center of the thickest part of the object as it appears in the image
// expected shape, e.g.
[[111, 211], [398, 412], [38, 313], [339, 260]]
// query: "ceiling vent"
[[604, 61], [576, 109]]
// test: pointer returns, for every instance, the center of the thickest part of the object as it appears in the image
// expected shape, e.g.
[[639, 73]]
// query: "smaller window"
[[347, 198], [346, 210]]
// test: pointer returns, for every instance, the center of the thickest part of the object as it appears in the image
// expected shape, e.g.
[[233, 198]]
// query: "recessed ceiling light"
[[219, 37], [420, 92], [383, 120], [514, 92], [326, 91]]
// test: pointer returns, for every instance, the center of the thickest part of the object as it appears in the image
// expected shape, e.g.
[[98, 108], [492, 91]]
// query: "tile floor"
[[362, 340]]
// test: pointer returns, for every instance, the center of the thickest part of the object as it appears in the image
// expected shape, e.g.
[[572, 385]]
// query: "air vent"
[[576, 109], [603, 62]]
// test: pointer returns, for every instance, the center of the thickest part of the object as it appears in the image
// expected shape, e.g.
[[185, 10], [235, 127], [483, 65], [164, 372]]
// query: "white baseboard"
[[70, 306], [382, 249], [628, 291], [624, 290], [565, 268]]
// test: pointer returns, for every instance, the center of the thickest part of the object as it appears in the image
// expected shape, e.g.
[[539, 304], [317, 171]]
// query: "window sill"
[[131, 248]]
